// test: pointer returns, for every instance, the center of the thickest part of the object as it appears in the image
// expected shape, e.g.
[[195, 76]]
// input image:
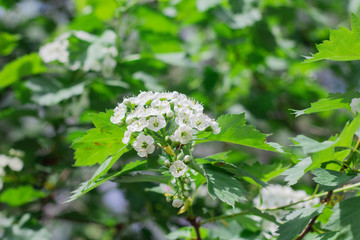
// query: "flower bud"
[[187, 159], [169, 198], [187, 180], [167, 163], [169, 114], [177, 203], [186, 194]]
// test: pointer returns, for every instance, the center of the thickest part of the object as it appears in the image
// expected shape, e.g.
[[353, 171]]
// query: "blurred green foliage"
[[234, 56]]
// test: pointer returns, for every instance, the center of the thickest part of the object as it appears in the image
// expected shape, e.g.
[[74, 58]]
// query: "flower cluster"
[[170, 121], [167, 116], [101, 51], [13, 162]]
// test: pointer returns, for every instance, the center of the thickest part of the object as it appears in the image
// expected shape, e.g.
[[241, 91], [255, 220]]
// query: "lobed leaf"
[[331, 102], [345, 220], [235, 130], [223, 186], [329, 179], [296, 221], [99, 143], [343, 45]]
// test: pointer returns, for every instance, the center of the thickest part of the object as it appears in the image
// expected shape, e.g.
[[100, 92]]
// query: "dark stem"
[[310, 225], [196, 224]]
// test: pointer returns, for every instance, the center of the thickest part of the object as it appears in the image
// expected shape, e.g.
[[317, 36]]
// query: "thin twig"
[[312, 197], [309, 227], [196, 224]]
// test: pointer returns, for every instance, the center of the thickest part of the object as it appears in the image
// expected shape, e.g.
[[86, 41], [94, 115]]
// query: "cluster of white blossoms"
[[101, 51], [169, 120], [13, 162], [167, 116]]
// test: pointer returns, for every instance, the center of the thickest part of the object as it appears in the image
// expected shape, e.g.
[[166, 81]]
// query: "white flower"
[[355, 105], [200, 121], [178, 168], [215, 126], [55, 51], [156, 123], [119, 114], [16, 164], [177, 203], [138, 125], [183, 116], [144, 145], [4, 160], [126, 138], [183, 134], [162, 106]]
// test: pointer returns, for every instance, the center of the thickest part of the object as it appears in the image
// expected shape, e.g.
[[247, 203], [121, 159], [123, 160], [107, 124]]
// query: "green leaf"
[[235, 130], [331, 102], [47, 92], [329, 179], [296, 221], [99, 143], [344, 44], [222, 186], [292, 175], [98, 177], [8, 43], [345, 219], [265, 172], [220, 160], [21, 195], [24, 66], [309, 145]]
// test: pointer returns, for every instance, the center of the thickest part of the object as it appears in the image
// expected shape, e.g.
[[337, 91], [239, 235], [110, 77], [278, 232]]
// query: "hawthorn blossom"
[[144, 145], [183, 134], [178, 169], [156, 123]]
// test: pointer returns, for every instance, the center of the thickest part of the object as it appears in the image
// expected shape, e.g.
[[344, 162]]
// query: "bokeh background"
[[234, 56]]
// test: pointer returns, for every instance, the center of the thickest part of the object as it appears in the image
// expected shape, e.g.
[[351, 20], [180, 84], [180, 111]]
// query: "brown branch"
[[196, 224], [310, 225]]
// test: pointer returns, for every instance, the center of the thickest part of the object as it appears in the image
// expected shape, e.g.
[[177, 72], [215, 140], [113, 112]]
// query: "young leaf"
[[24, 66], [21, 195], [292, 175], [296, 221], [345, 219], [309, 145], [235, 130], [223, 186], [96, 180], [329, 179], [99, 143], [344, 44], [331, 102]]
